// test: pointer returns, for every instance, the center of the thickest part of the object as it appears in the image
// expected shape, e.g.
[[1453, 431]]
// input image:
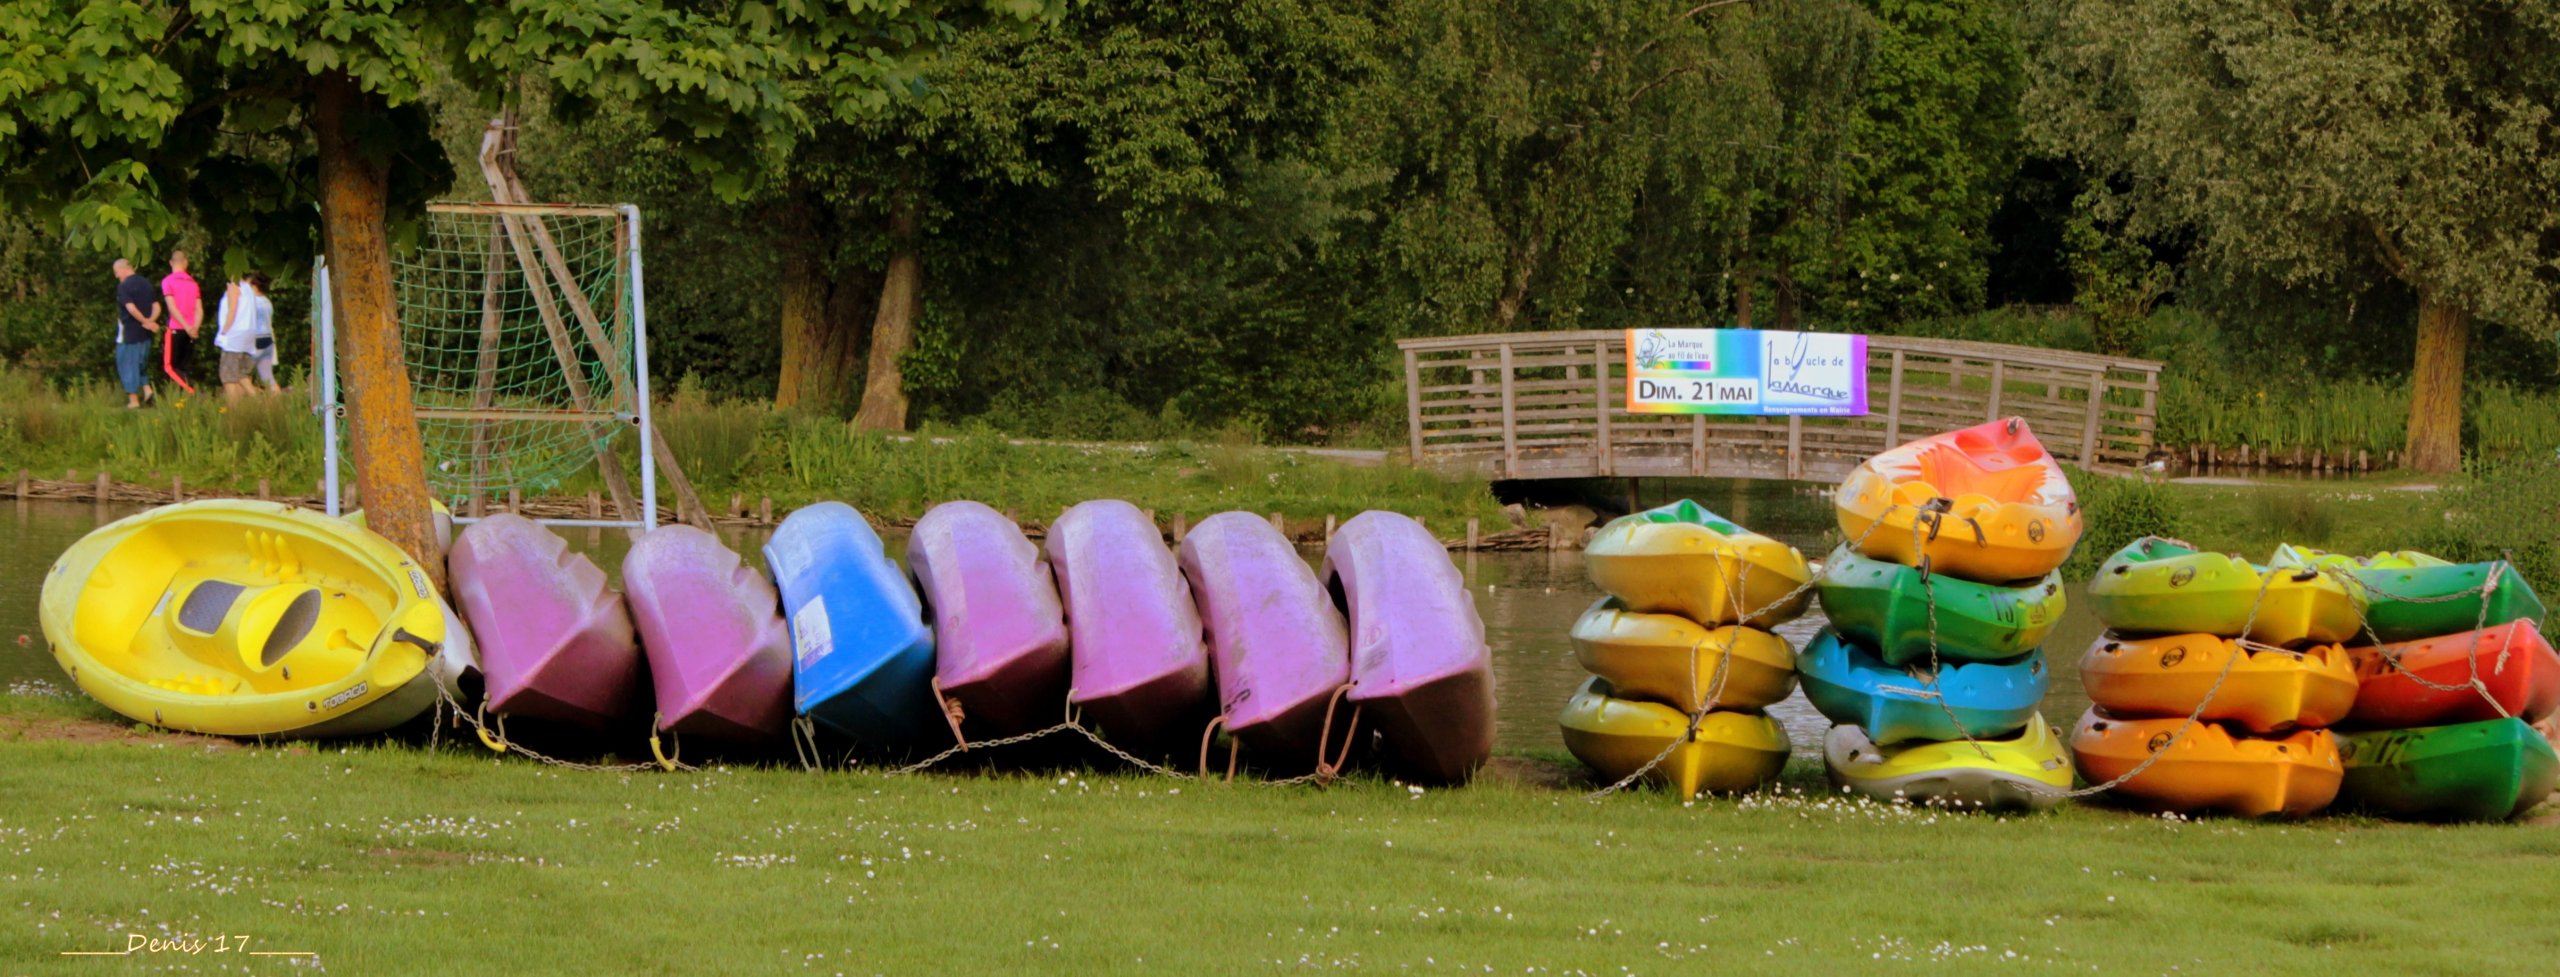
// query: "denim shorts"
[[131, 358]]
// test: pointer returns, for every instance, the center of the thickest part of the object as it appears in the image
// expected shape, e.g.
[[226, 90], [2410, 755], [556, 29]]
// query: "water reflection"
[[1528, 601]]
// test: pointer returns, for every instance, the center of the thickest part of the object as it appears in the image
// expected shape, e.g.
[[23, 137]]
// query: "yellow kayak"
[[2028, 771], [2265, 690], [1985, 503], [1731, 751], [1670, 659], [2164, 586], [245, 619], [1682, 559]]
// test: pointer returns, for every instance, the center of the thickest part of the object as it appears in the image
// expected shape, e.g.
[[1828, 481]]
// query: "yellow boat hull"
[[1672, 660], [2210, 768], [2263, 691], [1729, 752], [1985, 503], [1681, 559], [245, 618], [2029, 771]]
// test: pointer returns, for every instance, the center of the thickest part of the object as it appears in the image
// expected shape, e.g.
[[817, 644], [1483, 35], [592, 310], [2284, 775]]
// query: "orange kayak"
[[2264, 690], [2210, 768], [1985, 503]]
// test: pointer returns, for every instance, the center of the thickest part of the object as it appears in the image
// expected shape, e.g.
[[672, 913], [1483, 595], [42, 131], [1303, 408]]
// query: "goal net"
[[526, 348]]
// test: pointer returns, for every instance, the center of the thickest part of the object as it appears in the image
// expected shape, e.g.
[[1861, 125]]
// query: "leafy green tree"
[[2328, 140], [111, 110]]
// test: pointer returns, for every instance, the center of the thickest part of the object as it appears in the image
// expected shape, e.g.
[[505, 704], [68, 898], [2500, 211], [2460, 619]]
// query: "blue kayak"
[[1851, 685], [861, 653]]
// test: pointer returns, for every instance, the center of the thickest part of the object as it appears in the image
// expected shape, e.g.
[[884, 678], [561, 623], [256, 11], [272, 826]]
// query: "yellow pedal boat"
[[2028, 771], [2265, 690], [1682, 559], [1731, 751], [245, 618], [1986, 503], [2211, 767], [1670, 659]]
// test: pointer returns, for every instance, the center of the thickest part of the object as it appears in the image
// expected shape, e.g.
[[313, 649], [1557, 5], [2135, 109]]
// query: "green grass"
[[746, 450], [389, 859]]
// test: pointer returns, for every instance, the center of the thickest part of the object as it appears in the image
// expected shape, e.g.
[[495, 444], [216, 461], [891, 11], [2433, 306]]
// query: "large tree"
[[2331, 139], [110, 109]]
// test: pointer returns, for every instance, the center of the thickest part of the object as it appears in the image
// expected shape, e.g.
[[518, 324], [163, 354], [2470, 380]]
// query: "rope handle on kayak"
[[496, 744], [666, 761], [1210, 735], [1326, 772], [952, 713]]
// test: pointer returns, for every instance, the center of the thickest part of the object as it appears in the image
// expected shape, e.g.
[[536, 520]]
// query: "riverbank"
[[393, 859]]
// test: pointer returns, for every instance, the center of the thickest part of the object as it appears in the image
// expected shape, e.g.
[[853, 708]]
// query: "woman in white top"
[[246, 335]]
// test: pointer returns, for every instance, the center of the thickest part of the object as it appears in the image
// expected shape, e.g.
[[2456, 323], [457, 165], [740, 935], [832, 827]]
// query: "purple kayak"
[[1275, 641], [1000, 638], [554, 641], [1137, 666], [712, 627], [1420, 670]]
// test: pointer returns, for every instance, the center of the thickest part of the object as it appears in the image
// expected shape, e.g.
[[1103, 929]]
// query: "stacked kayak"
[[245, 618], [2443, 723], [1939, 604], [1000, 636], [2217, 682], [1420, 670], [861, 652], [1277, 647], [1682, 659], [1137, 665]]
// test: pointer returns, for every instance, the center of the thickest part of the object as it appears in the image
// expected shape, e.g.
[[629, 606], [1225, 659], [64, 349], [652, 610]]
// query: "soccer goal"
[[527, 343]]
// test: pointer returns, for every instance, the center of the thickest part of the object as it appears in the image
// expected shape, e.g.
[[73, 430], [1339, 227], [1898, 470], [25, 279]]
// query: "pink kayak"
[[1275, 642], [554, 640], [1137, 666], [712, 626], [1420, 670], [1000, 638]]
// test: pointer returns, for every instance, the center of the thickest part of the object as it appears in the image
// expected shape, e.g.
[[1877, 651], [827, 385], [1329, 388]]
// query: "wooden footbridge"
[[1554, 405]]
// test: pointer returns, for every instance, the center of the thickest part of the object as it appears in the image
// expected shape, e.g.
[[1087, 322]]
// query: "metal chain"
[[495, 734]]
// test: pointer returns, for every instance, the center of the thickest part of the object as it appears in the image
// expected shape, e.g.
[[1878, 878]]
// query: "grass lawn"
[[390, 859]]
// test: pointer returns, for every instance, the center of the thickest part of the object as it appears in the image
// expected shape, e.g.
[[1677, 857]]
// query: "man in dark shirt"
[[137, 318]]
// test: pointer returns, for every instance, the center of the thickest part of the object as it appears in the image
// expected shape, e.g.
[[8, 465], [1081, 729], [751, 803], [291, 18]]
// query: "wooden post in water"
[[263, 492], [737, 505], [22, 483], [177, 489], [101, 490], [1181, 524], [764, 511], [1471, 534], [1280, 524], [479, 507], [1328, 524], [595, 504]]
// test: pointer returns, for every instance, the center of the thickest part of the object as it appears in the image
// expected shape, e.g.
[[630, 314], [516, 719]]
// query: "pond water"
[[1528, 600]]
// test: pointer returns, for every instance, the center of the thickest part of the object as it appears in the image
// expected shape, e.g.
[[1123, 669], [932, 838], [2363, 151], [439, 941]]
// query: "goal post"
[[525, 331]]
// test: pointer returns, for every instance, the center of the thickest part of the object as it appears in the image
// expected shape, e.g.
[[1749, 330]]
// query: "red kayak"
[[2516, 666]]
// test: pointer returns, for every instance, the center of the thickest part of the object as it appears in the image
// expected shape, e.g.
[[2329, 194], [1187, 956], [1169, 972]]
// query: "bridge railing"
[[1553, 405]]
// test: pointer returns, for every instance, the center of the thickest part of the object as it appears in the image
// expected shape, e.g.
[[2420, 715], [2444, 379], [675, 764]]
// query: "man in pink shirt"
[[186, 312]]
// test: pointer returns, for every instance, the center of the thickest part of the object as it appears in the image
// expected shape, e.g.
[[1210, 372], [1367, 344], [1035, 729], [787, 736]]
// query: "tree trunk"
[[1742, 298], [1515, 292], [819, 340], [390, 459], [1789, 299], [2435, 385], [893, 328]]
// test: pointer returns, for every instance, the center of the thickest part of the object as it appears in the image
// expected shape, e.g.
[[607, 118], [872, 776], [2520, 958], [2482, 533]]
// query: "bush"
[[2506, 510], [2116, 511]]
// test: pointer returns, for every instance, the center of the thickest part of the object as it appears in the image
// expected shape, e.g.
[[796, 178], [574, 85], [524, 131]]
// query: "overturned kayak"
[[2210, 768], [1896, 610], [2027, 772], [1276, 644], [2428, 682], [1984, 503], [2163, 586], [2261, 689], [1000, 638], [245, 619], [555, 641], [2410, 595], [712, 627], [1850, 685], [861, 653], [2485, 771], [1682, 559], [1672, 660], [1137, 665], [1420, 671], [1729, 751]]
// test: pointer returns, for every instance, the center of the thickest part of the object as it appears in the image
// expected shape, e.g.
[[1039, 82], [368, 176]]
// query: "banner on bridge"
[[1746, 371]]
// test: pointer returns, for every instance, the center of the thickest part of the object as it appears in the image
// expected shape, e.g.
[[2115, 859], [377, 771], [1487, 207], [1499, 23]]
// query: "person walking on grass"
[[186, 313], [242, 331], [137, 321]]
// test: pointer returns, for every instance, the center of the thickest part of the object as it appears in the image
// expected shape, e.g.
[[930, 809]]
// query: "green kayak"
[[2487, 771], [1885, 606], [2164, 586], [2407, 591]]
